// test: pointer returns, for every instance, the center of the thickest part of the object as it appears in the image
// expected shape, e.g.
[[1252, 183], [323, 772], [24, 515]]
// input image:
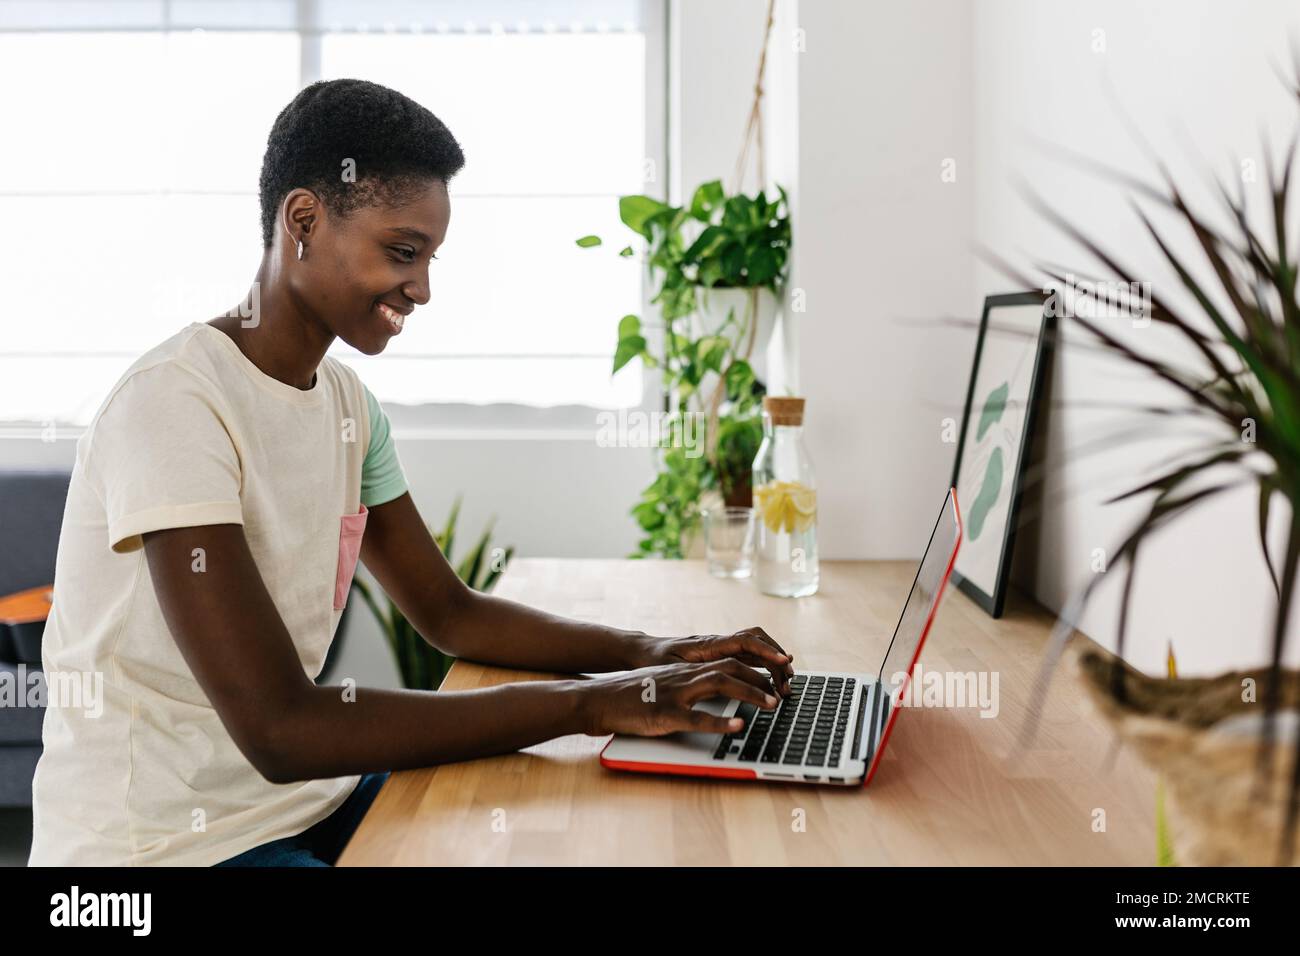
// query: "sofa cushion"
[[18, 725], [31, 514], [17, 767]]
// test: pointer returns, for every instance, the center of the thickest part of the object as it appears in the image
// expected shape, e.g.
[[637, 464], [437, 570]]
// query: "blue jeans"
[[321, 844]]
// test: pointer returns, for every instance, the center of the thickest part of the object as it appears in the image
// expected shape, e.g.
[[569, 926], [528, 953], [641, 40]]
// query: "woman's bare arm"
[[400, 552], [231, 635], [233, 639]]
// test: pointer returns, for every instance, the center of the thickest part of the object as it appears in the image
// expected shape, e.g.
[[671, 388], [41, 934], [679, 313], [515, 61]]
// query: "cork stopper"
[[783, 411]]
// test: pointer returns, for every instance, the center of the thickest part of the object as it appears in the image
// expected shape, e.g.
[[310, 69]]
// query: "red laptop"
[[833, 727]]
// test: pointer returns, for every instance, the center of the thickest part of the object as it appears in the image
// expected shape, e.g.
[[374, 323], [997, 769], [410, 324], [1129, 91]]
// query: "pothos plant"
[[717, 241]]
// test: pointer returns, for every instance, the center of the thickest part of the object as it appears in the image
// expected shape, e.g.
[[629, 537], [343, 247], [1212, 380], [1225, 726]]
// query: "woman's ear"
[[300, 210]]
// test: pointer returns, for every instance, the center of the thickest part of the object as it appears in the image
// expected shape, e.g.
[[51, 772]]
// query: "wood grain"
[[952, 788]]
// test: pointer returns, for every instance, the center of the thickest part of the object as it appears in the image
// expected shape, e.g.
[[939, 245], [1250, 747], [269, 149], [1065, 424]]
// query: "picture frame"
[[1006, 378]]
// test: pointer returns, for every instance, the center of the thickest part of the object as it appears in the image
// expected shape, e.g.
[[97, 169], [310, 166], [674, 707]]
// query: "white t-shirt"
[[143, 771]]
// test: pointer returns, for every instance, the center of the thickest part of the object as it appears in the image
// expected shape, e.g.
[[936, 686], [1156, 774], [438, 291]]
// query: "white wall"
[[881, 251], [1196, 80], [714, 57], [859, 123], [879, 97]]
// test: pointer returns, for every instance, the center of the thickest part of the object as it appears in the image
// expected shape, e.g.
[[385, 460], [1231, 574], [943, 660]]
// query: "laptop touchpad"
[[714, 705], [718, 706]]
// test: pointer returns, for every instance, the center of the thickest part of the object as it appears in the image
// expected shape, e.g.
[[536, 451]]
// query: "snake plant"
[[421, 665]]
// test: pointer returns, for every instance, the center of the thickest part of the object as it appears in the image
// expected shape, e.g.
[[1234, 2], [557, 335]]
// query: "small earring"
[[299, 249]]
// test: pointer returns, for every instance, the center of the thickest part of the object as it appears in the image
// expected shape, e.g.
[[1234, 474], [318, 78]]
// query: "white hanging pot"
[[714, 306]]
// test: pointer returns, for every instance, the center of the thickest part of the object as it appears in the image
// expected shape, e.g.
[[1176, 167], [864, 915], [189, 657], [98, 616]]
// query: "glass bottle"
[[785, 503]]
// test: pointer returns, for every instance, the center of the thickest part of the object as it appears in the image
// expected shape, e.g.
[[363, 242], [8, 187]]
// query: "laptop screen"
[[927, 588]]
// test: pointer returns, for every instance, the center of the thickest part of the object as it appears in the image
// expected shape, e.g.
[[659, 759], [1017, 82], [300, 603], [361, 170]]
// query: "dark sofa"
[[31, 513]]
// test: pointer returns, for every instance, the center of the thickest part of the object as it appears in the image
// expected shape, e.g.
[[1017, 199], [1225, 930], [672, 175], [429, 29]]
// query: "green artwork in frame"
[[1011, 356]]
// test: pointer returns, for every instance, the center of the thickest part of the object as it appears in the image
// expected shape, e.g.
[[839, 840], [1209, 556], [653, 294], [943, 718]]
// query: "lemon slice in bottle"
[[803, 504], [786, 506]]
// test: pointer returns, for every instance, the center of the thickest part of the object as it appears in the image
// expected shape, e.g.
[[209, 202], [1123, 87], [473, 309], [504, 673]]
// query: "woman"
[[220, 500]]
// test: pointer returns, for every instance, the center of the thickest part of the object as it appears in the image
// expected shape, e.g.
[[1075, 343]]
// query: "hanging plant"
[[715, 242]]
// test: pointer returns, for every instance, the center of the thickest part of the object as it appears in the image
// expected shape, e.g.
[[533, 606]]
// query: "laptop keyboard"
[[806, 729]]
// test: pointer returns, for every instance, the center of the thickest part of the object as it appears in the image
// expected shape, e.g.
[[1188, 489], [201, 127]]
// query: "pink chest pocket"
[[351, 528]]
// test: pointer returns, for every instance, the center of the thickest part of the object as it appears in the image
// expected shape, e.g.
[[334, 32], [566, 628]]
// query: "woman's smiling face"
[[364, 272]]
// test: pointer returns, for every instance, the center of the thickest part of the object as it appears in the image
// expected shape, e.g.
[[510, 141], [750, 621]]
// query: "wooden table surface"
[[948, 790]]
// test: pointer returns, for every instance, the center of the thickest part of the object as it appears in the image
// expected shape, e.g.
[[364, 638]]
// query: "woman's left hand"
[[750, 646]]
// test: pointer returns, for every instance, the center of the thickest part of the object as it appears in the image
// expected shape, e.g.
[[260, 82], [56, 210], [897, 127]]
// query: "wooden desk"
[[945, 792]]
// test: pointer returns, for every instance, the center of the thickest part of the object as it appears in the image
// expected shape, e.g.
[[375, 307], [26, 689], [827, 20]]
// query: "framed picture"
[[1012, 354]]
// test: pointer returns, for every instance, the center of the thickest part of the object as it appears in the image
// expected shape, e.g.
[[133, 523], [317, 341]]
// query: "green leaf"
[[494, 573], [668, 242], [635, 210], [628, 349], [1266, 489], [709, 242], [421, 666], [625, 251], [586, 242], [733, 261], [739, 379], [470, 567], [448, 535], [677, 300], [706, 200], [737, 215], [710, 352], [628, 325], [688, 377], [647, 515], [1166, 483], [761, 266], [710, 272]]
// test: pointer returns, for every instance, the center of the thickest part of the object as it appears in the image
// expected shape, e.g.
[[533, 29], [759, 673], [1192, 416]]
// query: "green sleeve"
[[382, 478]]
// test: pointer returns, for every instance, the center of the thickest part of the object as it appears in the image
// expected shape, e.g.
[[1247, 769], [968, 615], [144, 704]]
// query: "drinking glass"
[[729, 542]]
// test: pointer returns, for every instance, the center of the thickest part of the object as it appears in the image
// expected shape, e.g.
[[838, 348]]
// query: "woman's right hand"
[[653, 701]]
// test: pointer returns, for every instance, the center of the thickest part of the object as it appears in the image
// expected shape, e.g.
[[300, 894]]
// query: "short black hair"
[[396, 144]]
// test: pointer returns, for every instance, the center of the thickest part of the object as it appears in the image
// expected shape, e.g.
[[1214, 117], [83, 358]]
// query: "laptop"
[[833, 727]]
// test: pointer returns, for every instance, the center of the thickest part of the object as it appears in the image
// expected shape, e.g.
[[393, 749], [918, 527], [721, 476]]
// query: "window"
[[129, 188]]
